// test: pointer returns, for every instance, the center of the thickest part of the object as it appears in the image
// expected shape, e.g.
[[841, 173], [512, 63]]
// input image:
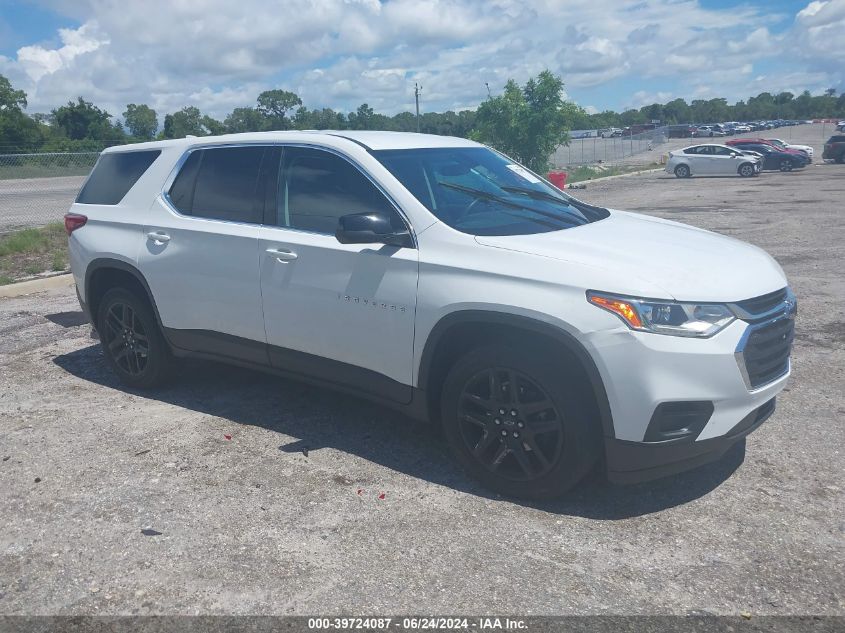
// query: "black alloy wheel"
[[786, 165], [518, 420], [510, 425], [131, 339], [125, 338]]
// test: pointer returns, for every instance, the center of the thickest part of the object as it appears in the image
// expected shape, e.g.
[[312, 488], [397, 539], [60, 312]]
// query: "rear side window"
[[114, 175], [221, 184], [837, 139]]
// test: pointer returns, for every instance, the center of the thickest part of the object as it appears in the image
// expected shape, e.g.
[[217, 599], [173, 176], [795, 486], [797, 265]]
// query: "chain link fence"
[[36, 189], [636, 149]]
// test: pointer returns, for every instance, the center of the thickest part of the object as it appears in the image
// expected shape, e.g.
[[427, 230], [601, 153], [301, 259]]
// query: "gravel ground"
[[266, 496]]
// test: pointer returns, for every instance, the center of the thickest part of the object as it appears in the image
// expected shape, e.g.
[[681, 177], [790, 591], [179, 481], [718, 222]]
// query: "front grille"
[[765, 356], [763, 303]]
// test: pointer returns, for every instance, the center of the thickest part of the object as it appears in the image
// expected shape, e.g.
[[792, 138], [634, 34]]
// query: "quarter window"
[[316, 188], [114, 175]]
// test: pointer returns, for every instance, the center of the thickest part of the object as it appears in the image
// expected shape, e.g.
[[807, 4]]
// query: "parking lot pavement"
[[265, 496], [36, 201]]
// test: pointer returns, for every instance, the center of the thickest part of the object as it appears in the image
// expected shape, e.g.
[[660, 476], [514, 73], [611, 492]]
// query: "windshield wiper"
[[486, 195], [568, 200], [533, 193]]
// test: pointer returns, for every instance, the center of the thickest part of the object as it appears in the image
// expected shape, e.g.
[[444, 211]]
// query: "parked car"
[[840, 127], [762, 141], [711, 160], [806, 149], [834, 149], [742, 128], [610, 132], [707, 131], [437, 276], [681, 131], [773, 158]]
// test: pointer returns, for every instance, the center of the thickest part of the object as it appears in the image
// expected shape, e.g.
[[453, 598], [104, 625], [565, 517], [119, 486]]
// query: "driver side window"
[[318, 187]]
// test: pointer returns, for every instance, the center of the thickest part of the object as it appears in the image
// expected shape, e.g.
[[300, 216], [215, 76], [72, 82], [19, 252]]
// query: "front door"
[[338, 312]]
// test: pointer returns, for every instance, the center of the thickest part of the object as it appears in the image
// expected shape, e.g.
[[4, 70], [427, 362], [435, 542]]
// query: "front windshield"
[[478, 191]]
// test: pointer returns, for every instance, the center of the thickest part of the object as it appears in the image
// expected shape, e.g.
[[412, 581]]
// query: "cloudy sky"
[[219, 54]]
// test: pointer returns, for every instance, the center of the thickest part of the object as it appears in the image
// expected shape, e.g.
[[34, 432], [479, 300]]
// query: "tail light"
[[74, 221]]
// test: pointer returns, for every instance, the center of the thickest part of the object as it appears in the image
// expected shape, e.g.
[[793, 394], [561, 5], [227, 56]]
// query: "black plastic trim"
[[217, 345], [522, 323], [693, 415], [635, 462]]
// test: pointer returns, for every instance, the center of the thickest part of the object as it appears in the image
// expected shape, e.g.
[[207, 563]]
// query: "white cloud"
[[218, 54]]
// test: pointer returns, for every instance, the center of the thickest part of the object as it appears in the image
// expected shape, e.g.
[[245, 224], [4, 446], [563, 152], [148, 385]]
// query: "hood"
[[690, 264]]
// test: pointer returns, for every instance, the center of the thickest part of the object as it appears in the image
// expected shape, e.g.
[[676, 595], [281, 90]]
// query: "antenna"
[[417, 91]]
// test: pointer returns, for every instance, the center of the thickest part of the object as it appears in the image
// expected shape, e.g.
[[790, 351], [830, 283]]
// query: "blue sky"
[[218, 55]]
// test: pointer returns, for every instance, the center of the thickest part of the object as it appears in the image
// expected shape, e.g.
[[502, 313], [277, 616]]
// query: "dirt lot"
[[286, 516]]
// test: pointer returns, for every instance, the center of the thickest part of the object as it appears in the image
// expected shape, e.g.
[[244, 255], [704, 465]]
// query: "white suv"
[[432, 274]]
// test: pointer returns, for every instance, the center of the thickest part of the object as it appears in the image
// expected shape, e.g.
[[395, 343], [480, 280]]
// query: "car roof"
[[370, 139]]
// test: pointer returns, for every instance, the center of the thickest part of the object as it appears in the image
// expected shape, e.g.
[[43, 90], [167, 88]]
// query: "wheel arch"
[[459, 332], [105, 273]]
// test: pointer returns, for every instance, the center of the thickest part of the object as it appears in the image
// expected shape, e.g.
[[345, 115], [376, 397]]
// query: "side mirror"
[[370, 228]]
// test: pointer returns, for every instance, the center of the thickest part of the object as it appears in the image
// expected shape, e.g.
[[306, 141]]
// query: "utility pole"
[[417, 90], [489, 96]]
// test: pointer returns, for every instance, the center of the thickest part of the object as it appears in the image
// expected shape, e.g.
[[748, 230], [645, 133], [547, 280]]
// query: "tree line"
[[527, 122]]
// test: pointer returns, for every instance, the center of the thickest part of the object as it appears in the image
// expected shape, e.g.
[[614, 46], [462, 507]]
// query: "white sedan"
[[713, 160], [803, 148]]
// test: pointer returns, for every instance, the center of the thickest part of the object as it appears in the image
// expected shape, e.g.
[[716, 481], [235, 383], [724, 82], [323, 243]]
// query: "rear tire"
[[517, 422], [132, 341], [682, 171], [747, 170], [785, 165], [840, 159]]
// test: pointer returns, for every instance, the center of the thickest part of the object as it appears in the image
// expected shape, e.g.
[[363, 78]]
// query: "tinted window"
[[114, 175], [227, 185], [723, 151], [182, 190], [692, 150], [318, 187]]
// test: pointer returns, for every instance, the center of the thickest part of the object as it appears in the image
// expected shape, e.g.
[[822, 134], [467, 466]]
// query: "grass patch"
[[589, 172], [32, 251]]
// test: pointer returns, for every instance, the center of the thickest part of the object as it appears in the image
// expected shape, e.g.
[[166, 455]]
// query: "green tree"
[[11, 99], [187, 121], [245, 120], [275, 104], [141, 121], [362, 119], [83, 120], [527, 122]]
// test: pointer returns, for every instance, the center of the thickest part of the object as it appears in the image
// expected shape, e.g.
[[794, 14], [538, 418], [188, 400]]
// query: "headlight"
[[666, 317]]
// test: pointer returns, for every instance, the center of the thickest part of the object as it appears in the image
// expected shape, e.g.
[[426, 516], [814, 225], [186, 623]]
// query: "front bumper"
[[704, 379], [636, 462]]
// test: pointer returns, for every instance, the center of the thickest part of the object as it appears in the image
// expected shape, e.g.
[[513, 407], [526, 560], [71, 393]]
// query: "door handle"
[[282, 255], [159, 237]]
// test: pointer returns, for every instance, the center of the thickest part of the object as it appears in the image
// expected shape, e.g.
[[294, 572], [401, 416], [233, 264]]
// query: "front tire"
[[517, 422], [132, 341], [785, 165], [747, 170], [682, 171]]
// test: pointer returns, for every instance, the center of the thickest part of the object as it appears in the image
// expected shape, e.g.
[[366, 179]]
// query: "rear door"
[[339, 312], [201, 257]]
